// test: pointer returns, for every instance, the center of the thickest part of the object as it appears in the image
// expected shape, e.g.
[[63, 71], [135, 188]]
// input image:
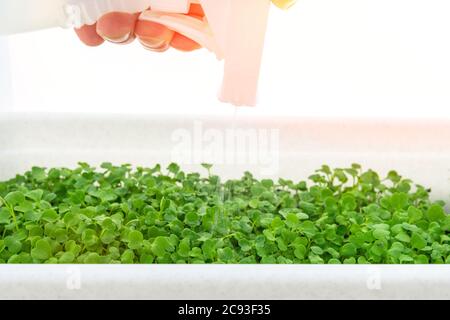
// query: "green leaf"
[[362, 260], [394, 176], [73, 247], [161, 245], [406, 259], [35, 195], [71, 219], [351, 260], [253, 203], [38, 174], [184, 248], [49, 215], [5, 216], [417, 241], [292, 220], [12, 244], [209, 248], [268, 260], [32, 215], [315, 259], [403, 237], [348, 202], [107, 236], [225, 254], [127, 256], [421, 259], [89, 237], [435, 213], [396, 250], [257, 190], [334, 261], [378, 248], [348, 250], [300, 251], [332, 252], [42, 250], [316, 250], [245, 245], [192, 219], [173, 168], [135, 239], [67, 257], [92, 258], [269, 235], [414, 214], [381, 234], [207, 166], [135, 236], [15, 198], [399, 200], [267, 183]]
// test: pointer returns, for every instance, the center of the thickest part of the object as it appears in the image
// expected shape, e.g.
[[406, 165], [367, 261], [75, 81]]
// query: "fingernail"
[[119, 39], [157, 45]]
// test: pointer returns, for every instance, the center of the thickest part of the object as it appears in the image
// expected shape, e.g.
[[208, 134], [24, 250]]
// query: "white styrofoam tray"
[[269, 147]]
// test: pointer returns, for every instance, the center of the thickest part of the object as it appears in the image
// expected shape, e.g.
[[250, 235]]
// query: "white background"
[[384, 58]]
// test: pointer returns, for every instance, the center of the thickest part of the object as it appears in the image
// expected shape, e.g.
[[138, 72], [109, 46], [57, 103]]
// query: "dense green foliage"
[[118, 214]]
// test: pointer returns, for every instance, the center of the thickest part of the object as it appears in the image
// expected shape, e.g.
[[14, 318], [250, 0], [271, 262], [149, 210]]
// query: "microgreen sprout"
[[121, 214]]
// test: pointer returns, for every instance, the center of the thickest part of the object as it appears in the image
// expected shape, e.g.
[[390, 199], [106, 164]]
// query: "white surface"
[[361, 58], [30, 15], [5, 75], [203, 282], [417, 149]]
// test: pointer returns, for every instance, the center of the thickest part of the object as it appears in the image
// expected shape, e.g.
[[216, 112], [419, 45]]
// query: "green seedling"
[[121, 214]]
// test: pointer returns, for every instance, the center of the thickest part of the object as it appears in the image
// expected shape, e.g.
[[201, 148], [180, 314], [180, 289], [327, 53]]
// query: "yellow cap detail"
[[284, 4]]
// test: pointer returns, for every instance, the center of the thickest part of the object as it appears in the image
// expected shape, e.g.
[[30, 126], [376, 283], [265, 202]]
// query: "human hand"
[[123, 28]]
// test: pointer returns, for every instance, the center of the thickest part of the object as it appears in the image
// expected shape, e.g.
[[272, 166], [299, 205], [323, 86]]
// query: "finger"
[[88, 35], [196, 9], [153, 36], [183, 43], [130, 39], [117, 27]]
